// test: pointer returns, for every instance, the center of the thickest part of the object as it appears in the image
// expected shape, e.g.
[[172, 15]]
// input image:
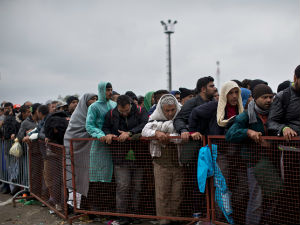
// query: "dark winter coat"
[[284, 112], [10, 126], [181, 122], [134, 123], [56, 126], [203, 119], [238, 131]]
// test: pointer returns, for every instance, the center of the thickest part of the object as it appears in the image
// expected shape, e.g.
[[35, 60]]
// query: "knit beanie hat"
[[260, 90], [185, 92], [71, 99], [256, 82]]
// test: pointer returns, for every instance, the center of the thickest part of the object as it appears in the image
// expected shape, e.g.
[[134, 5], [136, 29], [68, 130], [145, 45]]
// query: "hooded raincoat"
[[81, 150], [101, 166]]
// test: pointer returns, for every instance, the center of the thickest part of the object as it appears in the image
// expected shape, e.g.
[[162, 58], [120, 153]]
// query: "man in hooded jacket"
[[101, 165], [215, 118]]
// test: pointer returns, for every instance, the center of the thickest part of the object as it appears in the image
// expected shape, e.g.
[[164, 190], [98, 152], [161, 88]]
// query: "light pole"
[[169, 29], [218, 75]]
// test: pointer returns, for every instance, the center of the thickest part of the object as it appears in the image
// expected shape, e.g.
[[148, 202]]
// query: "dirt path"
[[38, 215]]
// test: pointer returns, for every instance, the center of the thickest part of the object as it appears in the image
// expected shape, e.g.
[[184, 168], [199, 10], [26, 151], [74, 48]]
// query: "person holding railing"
[[205, 91], [251, 125], [215, 118], [101, 165], [284, 120], [124, 121], [10, 128], [168, 172]]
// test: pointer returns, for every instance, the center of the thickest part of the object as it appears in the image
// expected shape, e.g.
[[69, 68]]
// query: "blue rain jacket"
[[205, 167]]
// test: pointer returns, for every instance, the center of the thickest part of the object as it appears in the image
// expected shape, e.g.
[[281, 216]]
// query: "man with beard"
[[205, 91], [100, 165], [251, 125]]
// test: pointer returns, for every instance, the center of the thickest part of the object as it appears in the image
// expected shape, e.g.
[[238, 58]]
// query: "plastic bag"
[[16, 149]]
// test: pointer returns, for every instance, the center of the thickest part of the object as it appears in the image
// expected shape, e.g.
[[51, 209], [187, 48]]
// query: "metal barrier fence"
[[14, 170], [262, 182], [124, 180], [48, 176]]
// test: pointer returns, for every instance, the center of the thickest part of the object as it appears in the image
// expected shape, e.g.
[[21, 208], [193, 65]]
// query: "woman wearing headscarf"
[[81, 150], [168, 172], [148, 100]]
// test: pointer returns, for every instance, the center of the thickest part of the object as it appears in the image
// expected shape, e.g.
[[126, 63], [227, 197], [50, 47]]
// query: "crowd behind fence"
[[51, 174], [14, 171]]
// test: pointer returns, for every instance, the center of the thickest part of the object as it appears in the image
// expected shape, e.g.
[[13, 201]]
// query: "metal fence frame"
[[63, 214], [7, 160], [189, 219], [212, 188], [209, 195]]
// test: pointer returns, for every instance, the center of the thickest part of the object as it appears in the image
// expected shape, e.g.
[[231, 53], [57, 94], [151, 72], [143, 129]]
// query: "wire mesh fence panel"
[[47, 175], [256, 183], [14, 169], [125, 180]]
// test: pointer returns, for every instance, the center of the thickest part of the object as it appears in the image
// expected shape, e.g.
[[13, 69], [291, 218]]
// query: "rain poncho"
[[101, 166], [81, 150]]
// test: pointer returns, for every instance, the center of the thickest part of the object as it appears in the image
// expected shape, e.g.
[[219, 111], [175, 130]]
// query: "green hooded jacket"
[[101, 165]]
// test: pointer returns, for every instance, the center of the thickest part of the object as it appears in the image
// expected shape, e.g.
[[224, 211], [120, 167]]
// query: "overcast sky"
[[59, 47]]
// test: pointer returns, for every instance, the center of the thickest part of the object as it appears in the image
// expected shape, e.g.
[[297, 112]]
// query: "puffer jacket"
[[284, 112]]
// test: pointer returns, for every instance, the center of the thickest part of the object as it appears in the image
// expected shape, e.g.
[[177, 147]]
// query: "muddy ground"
[[38, 215]]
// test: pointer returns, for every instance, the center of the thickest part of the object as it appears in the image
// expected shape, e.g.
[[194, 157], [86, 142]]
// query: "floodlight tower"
[[168, 30], [218, 75]]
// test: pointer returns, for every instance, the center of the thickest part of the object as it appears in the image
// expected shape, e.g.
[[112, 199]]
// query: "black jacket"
[[10, 126], [203, 119], [285, 111], [56, 126], [134, 122], [181, 122]]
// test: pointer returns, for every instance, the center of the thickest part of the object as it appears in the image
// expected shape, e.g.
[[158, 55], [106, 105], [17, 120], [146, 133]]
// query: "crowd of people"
[[241, 110]]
